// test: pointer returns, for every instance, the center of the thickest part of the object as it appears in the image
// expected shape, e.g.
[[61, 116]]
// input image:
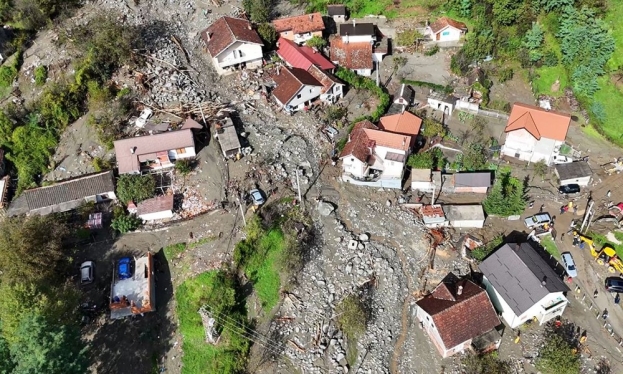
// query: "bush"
[[99, 164], [317, 42], [433, 51], [557, 356], [352, 317], [98, 95], [507, 196], [135, 188], [432, 159], [550, 58], [432, 128], [483, 251], [126, 223], [408, 38], [433, 86], [268, 34], [7, 76], [184, 167], [41, 75], [505, 75]]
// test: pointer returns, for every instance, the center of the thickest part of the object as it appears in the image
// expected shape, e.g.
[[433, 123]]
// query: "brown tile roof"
[[538, 122], [290, 81], [351, 55], [359, 144], [444, 22], [191, 124], [155, 205], [226, 31], [405, 123], [459, 318], [336, 10], [143, 146], [326, 79], [300, 24], [389, 140]]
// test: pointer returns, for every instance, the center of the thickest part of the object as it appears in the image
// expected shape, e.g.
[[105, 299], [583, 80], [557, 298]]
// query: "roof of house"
[[406, 93], [190, 123], [336, 10], [359, 144], [64, 195], [300, 24], [147, 145], [155, 205], [472, 212], [538, 122], [574, 170], [432, 213], [351, 55], [521, 276], [403, 123], [357, 29], [228, 136], [462, 316], [421, 175], [444, 22], [301, 57], [225, 31], [290, 81], [388, 139], [473, 179], [327, 80]]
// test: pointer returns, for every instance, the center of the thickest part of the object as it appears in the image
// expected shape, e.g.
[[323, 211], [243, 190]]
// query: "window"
[[445, 33], [352, 160], [298, 96], [180, 151], [310, 90]]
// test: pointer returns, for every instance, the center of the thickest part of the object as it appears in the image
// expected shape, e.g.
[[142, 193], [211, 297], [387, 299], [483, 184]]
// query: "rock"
[[388, 203], [349, 268], [364, 237], [325, 208], [340, 357]]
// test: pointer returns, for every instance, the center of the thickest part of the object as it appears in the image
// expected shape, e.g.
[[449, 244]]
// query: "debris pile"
[[194, 204]]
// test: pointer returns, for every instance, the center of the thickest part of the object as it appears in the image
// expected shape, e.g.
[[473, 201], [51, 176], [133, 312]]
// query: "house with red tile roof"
[[358, 47], [372, 155], [534, 134], [156, 208], [458, 315], [446, 30], [296, 89], [405, 123], [301, 28], [233, 43], [313, 62]]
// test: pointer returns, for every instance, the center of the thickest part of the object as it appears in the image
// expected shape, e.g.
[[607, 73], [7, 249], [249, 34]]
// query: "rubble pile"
[[193, 204]]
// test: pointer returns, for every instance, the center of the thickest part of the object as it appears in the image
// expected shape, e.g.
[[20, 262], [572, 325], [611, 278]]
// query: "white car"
[[562, 160], [569, 264], [87, 272], [537, 220]]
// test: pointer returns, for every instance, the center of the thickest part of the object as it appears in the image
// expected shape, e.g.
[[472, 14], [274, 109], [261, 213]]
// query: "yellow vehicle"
[[588, 242], [608, 256], [615, 265]]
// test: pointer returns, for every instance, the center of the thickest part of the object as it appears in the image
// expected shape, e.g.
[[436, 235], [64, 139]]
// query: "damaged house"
[[301, 28]]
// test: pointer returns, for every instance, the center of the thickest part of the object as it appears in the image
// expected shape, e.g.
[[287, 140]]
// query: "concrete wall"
[[522, 145], [471, 189], [381, 183], [157, 215], [449, 34], [440, 105], [467, 223], [238, 53], [354, 166], [584, 181], [304, 95], [363, 72]]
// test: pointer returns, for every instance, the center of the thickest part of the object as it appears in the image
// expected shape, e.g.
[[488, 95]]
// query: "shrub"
[[41, 75], [184, 167], [505, 75], [268, 34], [483, 251], [135, 188], [557, 356], [99, 164], [432, 51], [317, 42], [352, 317], [432, 128], [126, 223], [7, 75], [550, 58], [408, 38]]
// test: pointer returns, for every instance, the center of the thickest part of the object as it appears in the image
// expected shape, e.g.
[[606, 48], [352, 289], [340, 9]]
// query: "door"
[[438, 36]]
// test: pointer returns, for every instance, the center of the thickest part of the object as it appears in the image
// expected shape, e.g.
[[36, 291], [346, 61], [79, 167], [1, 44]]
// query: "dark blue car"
[[125, 268]]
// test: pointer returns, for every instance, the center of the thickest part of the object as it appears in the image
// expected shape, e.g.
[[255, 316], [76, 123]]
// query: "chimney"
[[544, 281], [311, 17], [354, 23], [459, 291], [209, 35], [249, 26], [132, 149], [404, 141], [349, 137], [346, 38]]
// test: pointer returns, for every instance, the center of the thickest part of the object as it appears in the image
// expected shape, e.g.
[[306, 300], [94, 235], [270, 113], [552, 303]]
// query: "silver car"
[[87, 272], [257, 197], [569, 264]]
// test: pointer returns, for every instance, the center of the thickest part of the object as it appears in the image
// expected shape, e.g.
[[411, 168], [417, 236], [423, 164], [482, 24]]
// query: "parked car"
[[559, 159], [257, 197], [569, 264], [87, 272], [538, 220], [568, 189], [614, 284], [331, 131], [124, 269]]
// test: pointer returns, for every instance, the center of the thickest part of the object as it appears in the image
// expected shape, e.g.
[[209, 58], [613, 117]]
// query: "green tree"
[[506, 12], [30, 151], [488, 363], [557, 356], [268, 34], [465, 8], [41, 75], [550, 5], [42, 347], [533, 40], [6, 129], [432, 128], [475, 157], [431, 159], [540, 168], [258, 10], [507, 196], [126, 223], [6, 361], [135, 188], [317, 42]]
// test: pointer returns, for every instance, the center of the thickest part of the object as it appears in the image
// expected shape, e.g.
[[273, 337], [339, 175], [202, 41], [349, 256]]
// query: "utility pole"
[[244, 220], [432, 200], [589, 213], [298, 185]]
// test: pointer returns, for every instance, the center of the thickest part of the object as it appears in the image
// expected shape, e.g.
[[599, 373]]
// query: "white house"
[[357, 32], [458, 315], [156, 208], [332, 88], [465, 216], [446, 30], [338, 12], [233, 44], [522, 286], [422, 180], [301, 28], [295, 89], [372, 155], [356, 56], [534, 134], [578, 172], [441, 102], [154, 152]]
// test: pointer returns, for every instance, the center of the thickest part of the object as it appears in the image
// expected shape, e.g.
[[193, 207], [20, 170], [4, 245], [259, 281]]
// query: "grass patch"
[[218, 290], [483, 251], [548, 243], [613, 19], [610, 98], [174, 250], [547, 75], [592, 132]]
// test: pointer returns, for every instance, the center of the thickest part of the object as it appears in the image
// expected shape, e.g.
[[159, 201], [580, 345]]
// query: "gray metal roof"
[[357, 29], [64, 192], [476, 179], [517, 271], [574, 170]]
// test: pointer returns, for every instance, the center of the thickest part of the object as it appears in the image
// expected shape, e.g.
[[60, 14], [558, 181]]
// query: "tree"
[[44, 348], [475, 157], [557, 356], [126, 223], [549, 5], [352, 317], [317, 42], [488, 363], [465, 8], [507, 196], [506, 12], [540, 168], [432, 128], [6, 361], [135, 188], [268, 34], [31, 248], [258, 10], [533, 40], [408, 38], [431, 159]]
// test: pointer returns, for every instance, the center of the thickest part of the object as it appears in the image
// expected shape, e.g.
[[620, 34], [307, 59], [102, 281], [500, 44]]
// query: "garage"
[[465, 216], [578, 172]]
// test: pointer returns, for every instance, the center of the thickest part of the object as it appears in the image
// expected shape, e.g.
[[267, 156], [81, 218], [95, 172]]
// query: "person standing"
[[595, 294], [541, 208]]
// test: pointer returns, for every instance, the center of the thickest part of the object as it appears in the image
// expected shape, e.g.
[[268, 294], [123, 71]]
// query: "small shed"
[[475, 182], [465, 216], [405, 96], [228, 138], [433, 216], [157, 208], [337, 12], [441, 102], [421, 180], [578, 172]]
